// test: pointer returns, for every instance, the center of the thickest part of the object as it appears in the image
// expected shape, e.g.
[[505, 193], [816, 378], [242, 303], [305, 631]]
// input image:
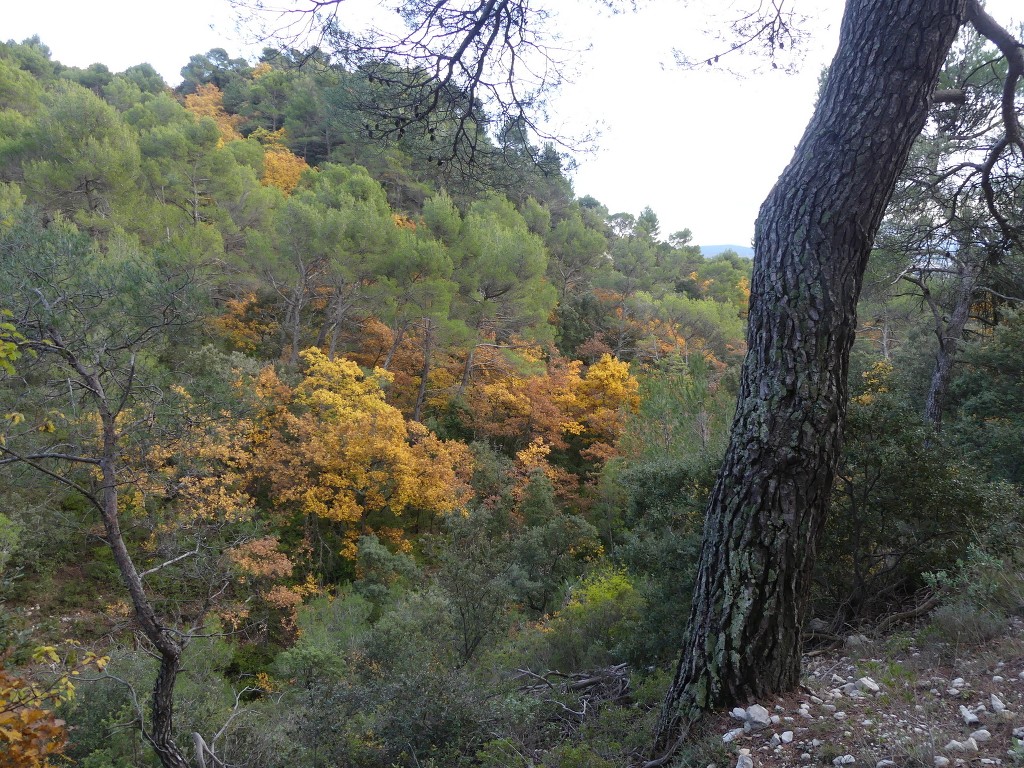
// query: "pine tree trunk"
[[813, 236]]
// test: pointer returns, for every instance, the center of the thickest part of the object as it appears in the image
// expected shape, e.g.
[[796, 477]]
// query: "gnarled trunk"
[[814, 233]]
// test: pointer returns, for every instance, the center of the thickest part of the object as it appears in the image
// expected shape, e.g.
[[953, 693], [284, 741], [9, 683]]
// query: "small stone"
[[969, 717], [997, 704], [868, 685], [776, 719], [1007, 715], [739, 713], [941, 761], [840, 715], [954, 746], [970, 745], [844, 760], [816, 700], [981, 735], [775, 741], [787, 737], [1018, 733], [867, 723], [731, 735], [857, 641], [959, 683], [849, 689], [757, 717], [744, 761], [998, 679], [837, 680], [885, 764]]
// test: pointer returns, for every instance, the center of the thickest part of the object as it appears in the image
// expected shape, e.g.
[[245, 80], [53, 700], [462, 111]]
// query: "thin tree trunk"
[[159, 734], [399, 337], [813, 236], [467, 369], [421, 396], [950, 333]]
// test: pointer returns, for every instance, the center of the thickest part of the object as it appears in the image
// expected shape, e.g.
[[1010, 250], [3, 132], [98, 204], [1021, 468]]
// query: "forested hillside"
[[320, 447]]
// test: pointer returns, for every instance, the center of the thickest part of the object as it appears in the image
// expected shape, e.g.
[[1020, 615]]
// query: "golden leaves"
[[30, 733], [336, 450], [208, 101]]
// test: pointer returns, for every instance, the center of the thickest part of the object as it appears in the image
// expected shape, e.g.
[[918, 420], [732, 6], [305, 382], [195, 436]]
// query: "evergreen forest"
[[320, 447]]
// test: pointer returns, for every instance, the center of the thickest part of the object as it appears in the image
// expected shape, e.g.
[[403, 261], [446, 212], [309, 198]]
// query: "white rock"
[[744, 761], [981, 735], [885, 764], [868, 685], [969, 717], [998, 679], [739, 713], [840, 715], [776, 719], [1018, 733], [732, 735], [971, 745], [997, 704], [954, 746], [775, 741], [757, 718], [837, 680], [844, 760], [941, 761], [959, 683], [856, 641], [787, 737]]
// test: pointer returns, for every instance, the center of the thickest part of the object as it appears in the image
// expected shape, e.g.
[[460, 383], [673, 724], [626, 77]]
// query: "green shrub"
[[594, 627]]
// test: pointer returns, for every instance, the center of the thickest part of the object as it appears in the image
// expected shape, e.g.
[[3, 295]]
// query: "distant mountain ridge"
[[713, 250]]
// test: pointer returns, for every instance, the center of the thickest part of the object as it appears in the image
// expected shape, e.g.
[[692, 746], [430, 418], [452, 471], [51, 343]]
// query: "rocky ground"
[[883, 705]]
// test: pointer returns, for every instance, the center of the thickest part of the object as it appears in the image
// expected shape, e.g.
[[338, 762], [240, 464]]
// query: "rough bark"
[[813, 236]]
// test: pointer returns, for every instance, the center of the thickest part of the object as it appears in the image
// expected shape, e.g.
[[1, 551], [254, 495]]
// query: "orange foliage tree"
[[31, 735]]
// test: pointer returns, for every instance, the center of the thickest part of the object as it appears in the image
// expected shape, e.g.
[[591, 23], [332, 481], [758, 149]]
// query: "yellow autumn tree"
[[337, 451], [282, 168], [605, 394], [208, 101]]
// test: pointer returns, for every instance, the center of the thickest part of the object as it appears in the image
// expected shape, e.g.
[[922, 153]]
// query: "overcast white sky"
[[702, 148]]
